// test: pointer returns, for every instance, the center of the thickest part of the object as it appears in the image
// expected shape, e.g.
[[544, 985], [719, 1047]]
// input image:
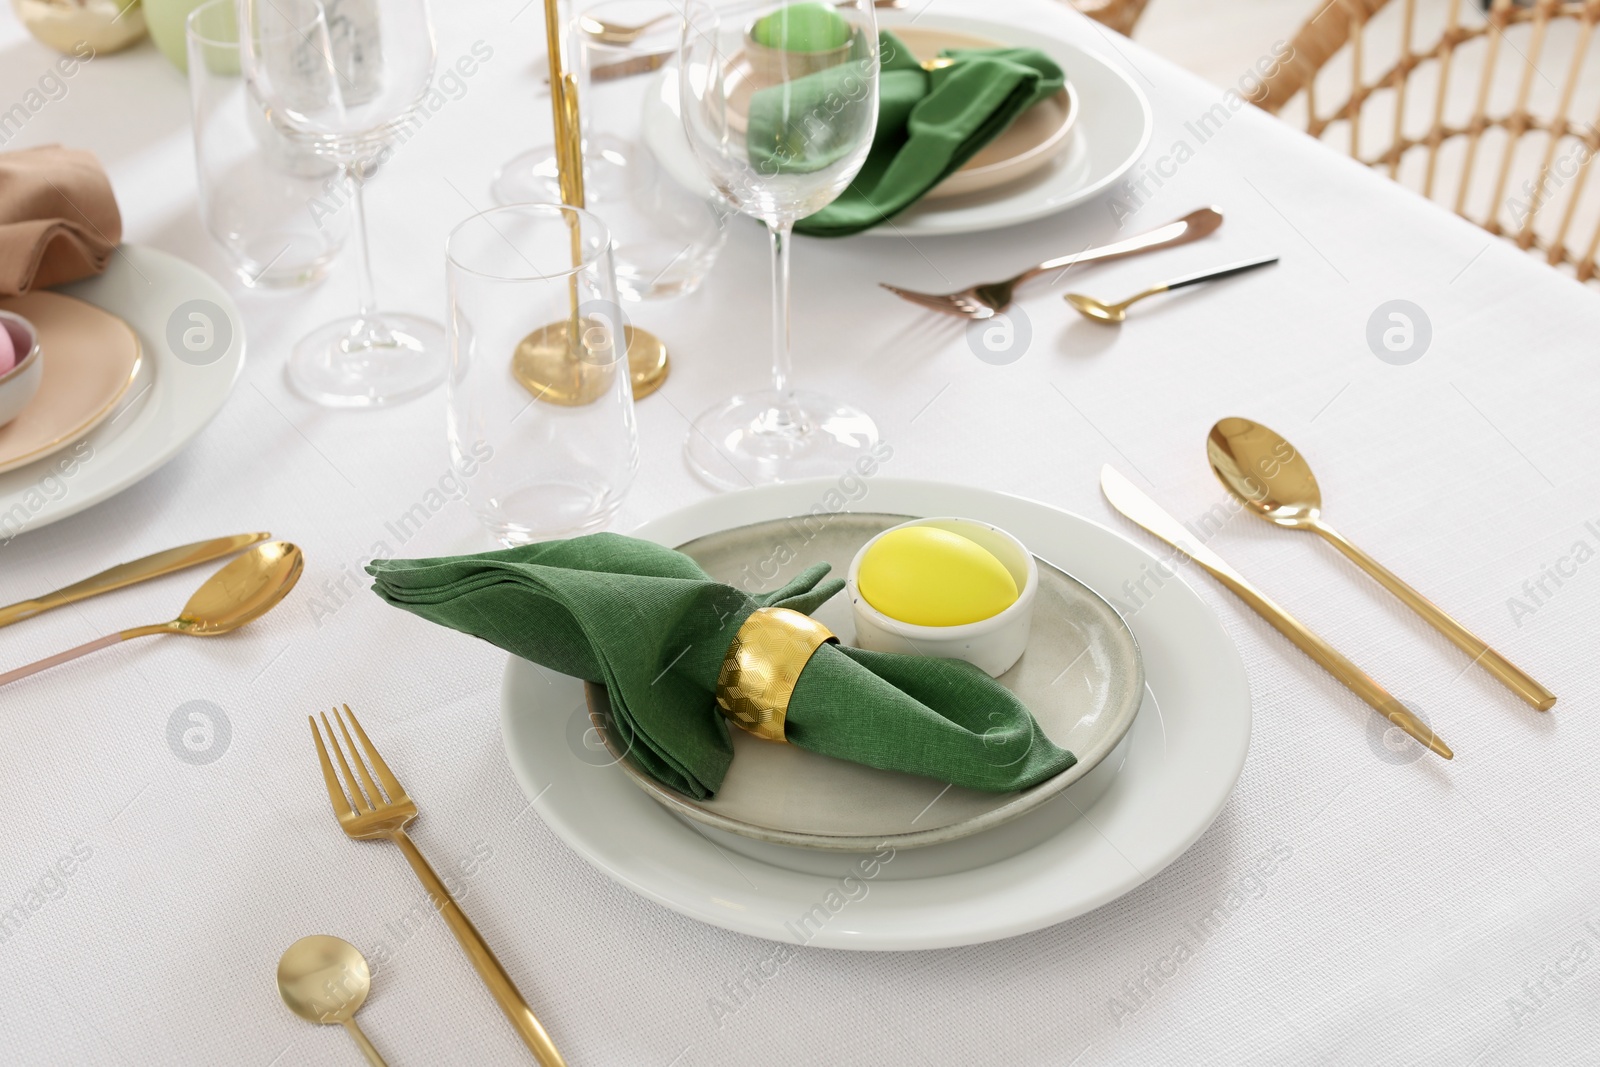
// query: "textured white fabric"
[[1414, 912]]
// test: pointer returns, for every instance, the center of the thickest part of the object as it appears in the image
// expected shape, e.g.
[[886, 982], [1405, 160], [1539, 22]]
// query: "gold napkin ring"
[[763, 664]]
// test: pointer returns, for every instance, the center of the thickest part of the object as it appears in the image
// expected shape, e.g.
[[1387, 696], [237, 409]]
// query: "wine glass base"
[[748, 441], [528, 178], [334, 365]]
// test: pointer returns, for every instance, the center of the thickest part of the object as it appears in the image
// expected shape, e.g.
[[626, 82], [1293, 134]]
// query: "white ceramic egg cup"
[[993, 644], [19, 384]]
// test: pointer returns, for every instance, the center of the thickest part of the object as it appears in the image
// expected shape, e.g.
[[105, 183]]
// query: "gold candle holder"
[[549, 361]]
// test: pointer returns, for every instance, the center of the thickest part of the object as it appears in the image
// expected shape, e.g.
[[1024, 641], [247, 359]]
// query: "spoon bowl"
[[243, 591], [1098, 310], [324, 979], [1264, 472]]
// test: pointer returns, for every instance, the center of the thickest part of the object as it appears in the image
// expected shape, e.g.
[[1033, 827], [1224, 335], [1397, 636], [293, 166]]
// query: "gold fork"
[[988, 299], [365, 813]]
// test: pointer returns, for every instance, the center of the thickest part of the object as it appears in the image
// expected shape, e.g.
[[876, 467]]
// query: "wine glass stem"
[[370, 329], [786, 416]]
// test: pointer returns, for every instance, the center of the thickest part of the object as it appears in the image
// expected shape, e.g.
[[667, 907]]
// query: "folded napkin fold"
[[58, 218], [930, 123], [648, 624]]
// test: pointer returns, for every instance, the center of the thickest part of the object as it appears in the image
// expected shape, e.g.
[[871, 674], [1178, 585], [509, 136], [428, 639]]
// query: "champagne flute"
[[779, 103], [345, 78]]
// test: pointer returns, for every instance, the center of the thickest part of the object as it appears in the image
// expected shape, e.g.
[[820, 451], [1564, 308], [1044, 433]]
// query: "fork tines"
[[962, 304], [363, 796]]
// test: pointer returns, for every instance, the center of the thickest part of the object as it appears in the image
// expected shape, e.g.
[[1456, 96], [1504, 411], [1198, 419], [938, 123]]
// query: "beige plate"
[[1035, 139], [90, 358], [1081, 677]]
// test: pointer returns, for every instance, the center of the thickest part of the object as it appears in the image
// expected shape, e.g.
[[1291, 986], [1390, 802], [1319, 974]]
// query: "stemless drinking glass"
[[535, 283], [262, 198], [667, 237], [345, 79], [779, 104]]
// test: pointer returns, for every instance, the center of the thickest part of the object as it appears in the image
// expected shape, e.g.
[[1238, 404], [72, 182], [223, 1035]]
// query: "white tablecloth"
[[1416, 911]]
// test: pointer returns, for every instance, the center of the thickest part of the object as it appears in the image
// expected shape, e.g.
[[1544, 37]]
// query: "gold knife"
[[126, 574], [1133, 503]]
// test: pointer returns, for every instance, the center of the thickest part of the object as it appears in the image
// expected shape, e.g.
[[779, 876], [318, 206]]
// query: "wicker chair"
[[1120, 15], [1516, 163]]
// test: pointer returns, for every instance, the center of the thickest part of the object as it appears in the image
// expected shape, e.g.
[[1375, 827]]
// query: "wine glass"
[[344, 78], [779, 103]]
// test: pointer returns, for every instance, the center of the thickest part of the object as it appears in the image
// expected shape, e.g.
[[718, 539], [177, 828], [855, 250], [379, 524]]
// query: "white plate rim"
[[1074, 872], [183, 397]]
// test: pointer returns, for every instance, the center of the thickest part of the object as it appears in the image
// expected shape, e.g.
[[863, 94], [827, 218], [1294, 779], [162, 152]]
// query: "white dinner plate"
[[171, 398], [1110, 133], [1114, 829]]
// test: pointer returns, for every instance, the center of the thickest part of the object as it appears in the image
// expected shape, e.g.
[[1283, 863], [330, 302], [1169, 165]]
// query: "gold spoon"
[[1270, 477], [326, 979], [243, 591], [1100, 311]]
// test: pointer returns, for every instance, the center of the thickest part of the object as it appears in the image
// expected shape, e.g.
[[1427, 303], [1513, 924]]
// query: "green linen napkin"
[[648, 624], [930, 123]]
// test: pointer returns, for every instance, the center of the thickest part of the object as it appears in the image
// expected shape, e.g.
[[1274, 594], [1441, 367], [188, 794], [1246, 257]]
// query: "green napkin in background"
[[648, 624], [930, 123]]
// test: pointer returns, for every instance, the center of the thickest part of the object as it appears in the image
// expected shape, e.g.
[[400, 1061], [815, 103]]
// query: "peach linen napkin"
[[58, 218]]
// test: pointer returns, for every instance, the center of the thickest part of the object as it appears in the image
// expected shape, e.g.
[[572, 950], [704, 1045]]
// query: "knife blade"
[[1128, 499], [131, 573]]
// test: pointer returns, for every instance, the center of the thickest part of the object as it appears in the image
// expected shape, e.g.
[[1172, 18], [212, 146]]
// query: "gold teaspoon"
[[243, 591], [1100, 311], [326, 980], [1271, 478]]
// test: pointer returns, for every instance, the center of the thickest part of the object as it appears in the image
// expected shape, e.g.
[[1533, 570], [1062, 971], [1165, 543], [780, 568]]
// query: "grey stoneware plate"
[[1081, 676]]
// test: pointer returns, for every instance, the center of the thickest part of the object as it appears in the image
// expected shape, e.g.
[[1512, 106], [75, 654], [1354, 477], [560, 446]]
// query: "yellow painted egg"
[[931, 577]]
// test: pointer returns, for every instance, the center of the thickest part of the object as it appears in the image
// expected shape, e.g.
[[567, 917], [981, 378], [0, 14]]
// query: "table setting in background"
[[790, 488]]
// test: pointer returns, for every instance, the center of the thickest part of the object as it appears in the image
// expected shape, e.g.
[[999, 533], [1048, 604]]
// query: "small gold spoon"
[[326, 979], [243, 591], [1270, 477], [1100, 311]]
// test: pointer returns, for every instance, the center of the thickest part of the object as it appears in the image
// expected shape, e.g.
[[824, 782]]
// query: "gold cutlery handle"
[[1128, 499], [627, 68], [84, 649], [483, 959], [131, 573], [1331, 660], [366, 1047], [1512, 676], [60, 657], [1191, 227]]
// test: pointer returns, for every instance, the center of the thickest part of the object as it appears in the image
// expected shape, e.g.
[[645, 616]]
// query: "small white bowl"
[[993, 644], [19, 384]]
